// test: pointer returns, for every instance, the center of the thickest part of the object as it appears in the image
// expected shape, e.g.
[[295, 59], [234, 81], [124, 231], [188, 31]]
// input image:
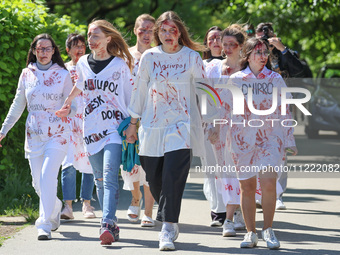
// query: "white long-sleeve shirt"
[[43, 92], [106, 97], [164, 97]]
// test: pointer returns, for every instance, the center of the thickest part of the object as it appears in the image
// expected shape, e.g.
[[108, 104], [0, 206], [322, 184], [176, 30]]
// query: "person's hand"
[[1, 137], [131, 134], [63, 112], [292, 150], [214, 134], [276, 42]]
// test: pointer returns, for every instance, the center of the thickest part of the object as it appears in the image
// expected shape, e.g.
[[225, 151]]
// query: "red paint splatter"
[[53, 79], [49, 132]]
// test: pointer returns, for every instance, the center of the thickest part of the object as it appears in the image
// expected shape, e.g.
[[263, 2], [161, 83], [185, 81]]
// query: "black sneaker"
[[106, 235]]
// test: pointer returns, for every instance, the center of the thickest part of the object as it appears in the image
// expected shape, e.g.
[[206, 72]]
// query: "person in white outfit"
[[76, 158], [136, 178], [43, 86], [211, 57], [233, 38], [258, 146], [170, 127]]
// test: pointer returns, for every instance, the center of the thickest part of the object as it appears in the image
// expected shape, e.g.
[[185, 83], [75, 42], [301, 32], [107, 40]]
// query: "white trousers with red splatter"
[[44, 171]]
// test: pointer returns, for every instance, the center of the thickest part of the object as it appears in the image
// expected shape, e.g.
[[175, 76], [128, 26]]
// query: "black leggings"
[[167, 176]]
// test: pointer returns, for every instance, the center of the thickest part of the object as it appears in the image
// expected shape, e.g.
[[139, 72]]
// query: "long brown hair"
[[247, 49], [207, 51], [184, 39], [117, 46], [56, 58], [236, 31]]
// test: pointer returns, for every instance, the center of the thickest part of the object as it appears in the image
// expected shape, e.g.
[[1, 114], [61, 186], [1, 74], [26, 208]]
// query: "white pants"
[[44, 171]]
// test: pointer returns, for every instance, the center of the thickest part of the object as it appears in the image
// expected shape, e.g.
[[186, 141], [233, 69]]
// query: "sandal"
[[134, 210], [147, 222]]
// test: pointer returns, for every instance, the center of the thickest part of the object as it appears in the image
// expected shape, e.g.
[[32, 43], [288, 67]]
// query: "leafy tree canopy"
[[310, 27]]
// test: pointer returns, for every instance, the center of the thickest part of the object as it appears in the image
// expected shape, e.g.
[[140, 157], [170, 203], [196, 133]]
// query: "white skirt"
[[137, 174]]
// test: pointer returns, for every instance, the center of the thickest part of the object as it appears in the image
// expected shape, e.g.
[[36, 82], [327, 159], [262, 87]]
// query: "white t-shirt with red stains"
[[212, 67], [76, 154], [43, 92], [106, 97], [259, 146], [164, 96]]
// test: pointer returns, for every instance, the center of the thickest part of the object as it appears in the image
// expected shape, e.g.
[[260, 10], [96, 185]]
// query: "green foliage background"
[[20, 22]]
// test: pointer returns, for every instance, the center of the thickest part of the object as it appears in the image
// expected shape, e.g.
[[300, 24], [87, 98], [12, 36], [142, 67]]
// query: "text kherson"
[[92, 84]]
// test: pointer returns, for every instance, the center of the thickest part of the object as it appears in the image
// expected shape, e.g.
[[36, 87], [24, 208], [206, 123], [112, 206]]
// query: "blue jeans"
[[68, 184], [105, 165]]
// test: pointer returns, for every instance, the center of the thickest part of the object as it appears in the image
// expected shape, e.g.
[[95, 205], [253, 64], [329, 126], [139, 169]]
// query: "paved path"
[[310, 225]]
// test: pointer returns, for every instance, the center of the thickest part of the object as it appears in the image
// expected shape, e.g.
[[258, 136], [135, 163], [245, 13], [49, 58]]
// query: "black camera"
[[265, 35]]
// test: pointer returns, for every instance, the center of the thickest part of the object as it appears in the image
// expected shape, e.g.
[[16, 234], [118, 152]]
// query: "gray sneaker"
[[228, 228], [106, 236], [250, 240], [270, 238]]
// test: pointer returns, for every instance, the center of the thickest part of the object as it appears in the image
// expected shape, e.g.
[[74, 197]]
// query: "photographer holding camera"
[[284, 60]]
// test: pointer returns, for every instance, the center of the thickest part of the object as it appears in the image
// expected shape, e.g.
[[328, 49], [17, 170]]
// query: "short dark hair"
[[260, 27], [73, 39]]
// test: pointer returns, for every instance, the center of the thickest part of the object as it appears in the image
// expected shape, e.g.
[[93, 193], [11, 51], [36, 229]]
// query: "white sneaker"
[[250, 240], [56, 219], [43, 235], [239, 221], [270, 238], [280, 205], [215, 223], [67, 213], [176, 231], [166, 241], [228, 228], [88, 211]]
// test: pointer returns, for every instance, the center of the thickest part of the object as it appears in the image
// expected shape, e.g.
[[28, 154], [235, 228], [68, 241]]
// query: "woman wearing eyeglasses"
[[43, 86], [258, 147]]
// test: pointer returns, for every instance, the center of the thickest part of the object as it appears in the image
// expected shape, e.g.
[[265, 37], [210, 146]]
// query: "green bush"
[[20, 22]]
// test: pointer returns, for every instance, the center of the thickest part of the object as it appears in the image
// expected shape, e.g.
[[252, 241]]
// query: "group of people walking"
[[75, 111]]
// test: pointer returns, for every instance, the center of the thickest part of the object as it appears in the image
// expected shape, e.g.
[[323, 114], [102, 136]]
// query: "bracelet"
[[133, 123], [284, 51]]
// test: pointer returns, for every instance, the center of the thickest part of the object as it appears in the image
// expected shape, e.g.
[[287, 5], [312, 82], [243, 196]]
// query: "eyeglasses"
[[217, 38], [43, 49], [265, 53]]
